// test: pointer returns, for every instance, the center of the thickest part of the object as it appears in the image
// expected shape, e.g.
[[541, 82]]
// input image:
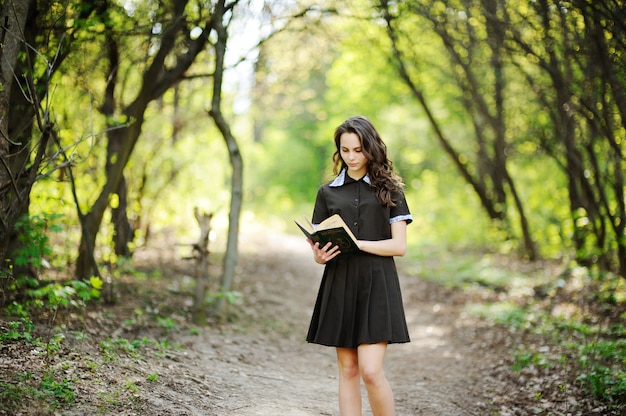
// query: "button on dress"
[[359, 299]]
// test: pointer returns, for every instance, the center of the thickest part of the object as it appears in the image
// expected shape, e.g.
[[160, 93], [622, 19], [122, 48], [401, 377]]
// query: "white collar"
[[341, 179]]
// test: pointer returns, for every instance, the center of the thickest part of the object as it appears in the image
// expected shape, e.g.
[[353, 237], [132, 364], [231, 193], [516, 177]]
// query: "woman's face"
[[352, 154]]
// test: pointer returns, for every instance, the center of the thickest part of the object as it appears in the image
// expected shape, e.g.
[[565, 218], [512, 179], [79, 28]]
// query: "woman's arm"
[[395, 246]]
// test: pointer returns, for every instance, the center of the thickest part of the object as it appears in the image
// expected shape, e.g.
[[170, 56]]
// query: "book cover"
[[332, 229]]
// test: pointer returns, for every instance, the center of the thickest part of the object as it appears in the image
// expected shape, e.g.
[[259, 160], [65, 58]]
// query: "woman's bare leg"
[[349, 382], [371, 359]]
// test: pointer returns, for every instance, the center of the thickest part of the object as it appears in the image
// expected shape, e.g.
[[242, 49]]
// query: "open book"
[[332, 229]]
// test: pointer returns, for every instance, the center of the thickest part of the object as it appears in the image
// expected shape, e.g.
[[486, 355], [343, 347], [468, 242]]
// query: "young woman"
[[359, 307]]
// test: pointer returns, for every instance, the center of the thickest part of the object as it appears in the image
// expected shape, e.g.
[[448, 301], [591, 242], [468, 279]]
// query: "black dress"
[[359, 300]]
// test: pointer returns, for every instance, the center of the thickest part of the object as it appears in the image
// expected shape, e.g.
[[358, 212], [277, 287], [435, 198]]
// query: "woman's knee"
[[372, 374], [371, 361], [349, 371], [348, 364]]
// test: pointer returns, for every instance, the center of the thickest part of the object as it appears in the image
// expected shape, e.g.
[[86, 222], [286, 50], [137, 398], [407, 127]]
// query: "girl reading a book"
[[359, 307]]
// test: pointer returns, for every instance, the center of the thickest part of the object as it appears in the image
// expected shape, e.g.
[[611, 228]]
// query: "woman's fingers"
[[326, 253]]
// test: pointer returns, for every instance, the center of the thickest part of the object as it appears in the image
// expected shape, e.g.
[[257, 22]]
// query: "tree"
[[472, 34], [570, 56], [577, 50], [173, 49], [174, 37], [29, 60]]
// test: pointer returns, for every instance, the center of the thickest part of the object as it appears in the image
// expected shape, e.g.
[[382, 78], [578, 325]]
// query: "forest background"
[[507, 121]]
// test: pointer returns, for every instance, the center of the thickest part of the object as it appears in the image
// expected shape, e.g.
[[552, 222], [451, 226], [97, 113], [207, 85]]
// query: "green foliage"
[[232, 297], [17, 331], [33, 235], [111, 348], [33, 254], [167, 323], [51, 390], [10, 394], [603, 365], [50, 393], [17, 309], [131, 387], [565, 338], [544, 190], [505, 313], [284, 171], [61, 390], [71, 294], [525, 358], [596, 354], [194, 330]]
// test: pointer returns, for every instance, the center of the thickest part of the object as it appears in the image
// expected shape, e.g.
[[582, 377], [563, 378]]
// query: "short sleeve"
[[401, 211], [320, 211]]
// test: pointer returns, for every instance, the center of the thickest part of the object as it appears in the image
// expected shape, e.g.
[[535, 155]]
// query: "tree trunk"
[[122, 231], [16, 127], [496, 27], [93, 219], [582, 206], [610, 66], [232, 255]]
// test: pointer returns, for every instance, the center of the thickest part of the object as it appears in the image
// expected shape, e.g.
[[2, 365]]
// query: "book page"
[[335, 221]]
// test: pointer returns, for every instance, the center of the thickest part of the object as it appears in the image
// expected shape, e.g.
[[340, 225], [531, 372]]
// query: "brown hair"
[[379, 168]]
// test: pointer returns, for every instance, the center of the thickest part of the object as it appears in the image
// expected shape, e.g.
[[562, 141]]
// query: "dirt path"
[[264, 366]]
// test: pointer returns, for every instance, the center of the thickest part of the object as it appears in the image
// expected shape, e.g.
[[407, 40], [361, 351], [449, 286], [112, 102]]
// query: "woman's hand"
[[323, 255]]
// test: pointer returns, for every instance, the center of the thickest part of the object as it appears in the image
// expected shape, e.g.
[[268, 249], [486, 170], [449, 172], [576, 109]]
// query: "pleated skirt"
[[359, 302]]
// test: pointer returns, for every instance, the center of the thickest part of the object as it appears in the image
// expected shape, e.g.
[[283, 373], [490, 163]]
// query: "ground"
[[269, 369], [259, 364]]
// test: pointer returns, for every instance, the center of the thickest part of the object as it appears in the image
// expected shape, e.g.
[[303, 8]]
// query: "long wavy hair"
[[379, 168]]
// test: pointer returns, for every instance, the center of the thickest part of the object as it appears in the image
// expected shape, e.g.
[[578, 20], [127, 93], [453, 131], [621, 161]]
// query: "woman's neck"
[[356, 175]]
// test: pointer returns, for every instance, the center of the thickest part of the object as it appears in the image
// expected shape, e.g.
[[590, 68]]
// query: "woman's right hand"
[[323, 255]]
